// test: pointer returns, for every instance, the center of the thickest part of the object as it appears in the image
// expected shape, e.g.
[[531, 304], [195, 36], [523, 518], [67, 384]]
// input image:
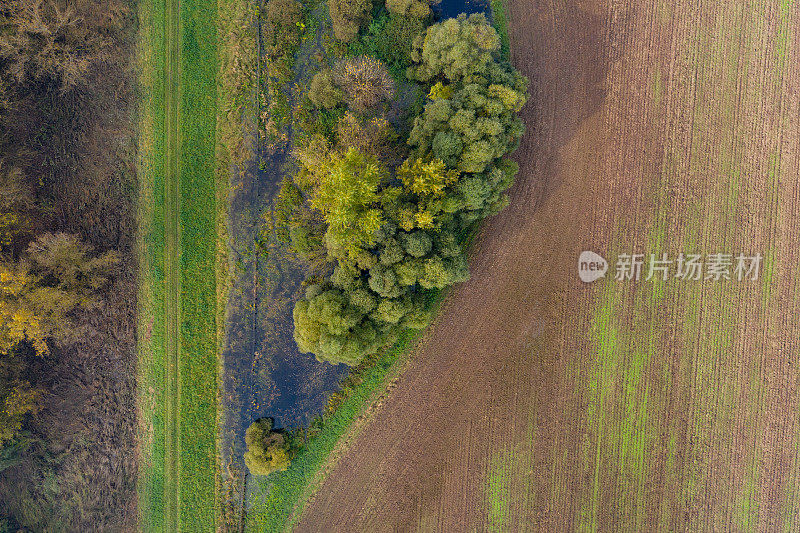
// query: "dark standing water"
[[264, 374], [452, 8]]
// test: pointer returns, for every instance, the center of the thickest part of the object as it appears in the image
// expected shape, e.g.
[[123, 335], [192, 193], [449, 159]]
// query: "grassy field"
[[179, 226], [152, 247]]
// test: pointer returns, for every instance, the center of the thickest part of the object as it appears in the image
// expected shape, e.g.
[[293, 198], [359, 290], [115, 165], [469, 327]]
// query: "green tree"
[[392, 252], [334, 330], [266, 449], [390, 38], [475, 191], [315, 162], [423, 202], [383, 281], [323, 91], [440, 90], [413, 8], [348, 16], [348, 198], [374, 137], [288, 200], [477, 125], [455, 48], [446, 243], [417, 318], [439, 273], [304, 241], [363, 299], [426, 178], [409, 271], [484, 194], [392, 310], [346, 276], [417, 243]]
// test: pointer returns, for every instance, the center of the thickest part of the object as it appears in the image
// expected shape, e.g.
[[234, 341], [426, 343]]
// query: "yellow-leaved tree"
[[42, 298], [266, 449], [347, 196]]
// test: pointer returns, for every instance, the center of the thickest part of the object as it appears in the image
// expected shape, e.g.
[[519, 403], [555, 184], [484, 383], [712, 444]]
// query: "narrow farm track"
[[541, 403], [172, 292], [180, 223]]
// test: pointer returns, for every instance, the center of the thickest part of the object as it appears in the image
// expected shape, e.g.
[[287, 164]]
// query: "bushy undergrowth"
[[266, 449], [67, 458]]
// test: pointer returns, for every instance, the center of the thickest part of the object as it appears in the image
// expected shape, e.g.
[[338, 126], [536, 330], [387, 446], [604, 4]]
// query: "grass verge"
[[178, 234], [150, 247], [198, 266], [500, 23], [236, 131]]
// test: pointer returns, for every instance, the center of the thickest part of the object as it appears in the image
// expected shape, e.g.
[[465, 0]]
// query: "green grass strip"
[[178, 252], [151, 245], [198, 234], [500, 23]]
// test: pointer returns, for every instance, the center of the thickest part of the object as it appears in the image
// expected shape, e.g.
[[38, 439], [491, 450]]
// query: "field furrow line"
[[172, 273]]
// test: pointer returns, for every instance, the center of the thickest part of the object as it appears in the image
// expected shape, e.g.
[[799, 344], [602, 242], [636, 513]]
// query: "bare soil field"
[[538, 402]]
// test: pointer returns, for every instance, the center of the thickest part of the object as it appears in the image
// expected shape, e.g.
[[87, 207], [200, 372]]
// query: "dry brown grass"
[[80, 474]]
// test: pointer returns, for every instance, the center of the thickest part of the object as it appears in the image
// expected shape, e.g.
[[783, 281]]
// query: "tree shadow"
[[561, 49]]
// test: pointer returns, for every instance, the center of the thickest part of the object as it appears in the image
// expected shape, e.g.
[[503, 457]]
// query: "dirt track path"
[[540, 403], [172, 297]]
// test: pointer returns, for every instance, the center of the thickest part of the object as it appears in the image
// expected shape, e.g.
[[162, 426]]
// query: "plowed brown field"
[[538, 402]]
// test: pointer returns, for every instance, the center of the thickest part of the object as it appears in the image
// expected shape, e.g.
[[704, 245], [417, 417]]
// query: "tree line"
[[400, 140], [396, 198]]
